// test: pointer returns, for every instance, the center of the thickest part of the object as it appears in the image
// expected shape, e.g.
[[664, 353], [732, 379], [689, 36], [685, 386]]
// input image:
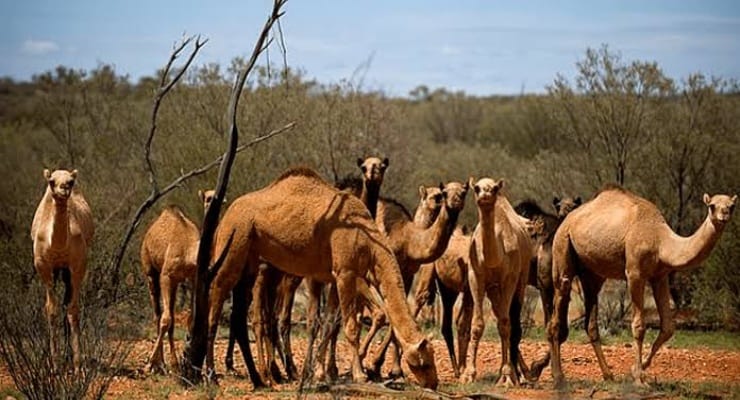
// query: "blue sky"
[[482, 47]]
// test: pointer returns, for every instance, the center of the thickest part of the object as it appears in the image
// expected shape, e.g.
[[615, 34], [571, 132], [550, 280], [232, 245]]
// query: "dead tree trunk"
[[196, 344]]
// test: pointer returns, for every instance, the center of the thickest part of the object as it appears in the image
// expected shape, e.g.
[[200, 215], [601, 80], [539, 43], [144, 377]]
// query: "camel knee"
[[667, 329], [476, 331], [638, 329], [593, 332]]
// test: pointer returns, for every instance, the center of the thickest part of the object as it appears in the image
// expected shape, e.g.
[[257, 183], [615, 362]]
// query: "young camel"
[[168, 258], [619, 235], [500, 251], [540, 267], [62, 232], [301, 217]]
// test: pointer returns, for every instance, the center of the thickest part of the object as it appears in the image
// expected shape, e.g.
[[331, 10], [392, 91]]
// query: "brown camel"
[[619, 235], [301, 217], [450, 274], [500, 251], [62, 232], [540, 266], [280, 303], [414, 245], [169, 253]]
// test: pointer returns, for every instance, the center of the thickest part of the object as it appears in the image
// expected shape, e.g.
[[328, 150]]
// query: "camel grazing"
[[62, 232], [169, 254], [300, 217], [619, 235], [414, 245], [281, 303], [450, 274], [500, 251], [540, 266]]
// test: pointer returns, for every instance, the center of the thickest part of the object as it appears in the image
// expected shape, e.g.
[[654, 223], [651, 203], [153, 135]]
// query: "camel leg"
[[591, 286], [547, 293], [285, 325], [563, 273], [346, 290], [73, 286], [315, 364], [378, 322], [462, 324], [241, 299], [168, 300], [636, 286], [260, 305], [661, 293], [515, 316], [331, 363], [448, 301], [156, 357], [501, 304], [477, 324], [382, 350], [156, 360]]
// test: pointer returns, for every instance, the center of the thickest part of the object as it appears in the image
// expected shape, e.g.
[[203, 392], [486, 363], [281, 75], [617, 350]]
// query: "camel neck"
[[60, 225], [429, 244], [370, 195], [487, 233], [680, 252], [424, 217]]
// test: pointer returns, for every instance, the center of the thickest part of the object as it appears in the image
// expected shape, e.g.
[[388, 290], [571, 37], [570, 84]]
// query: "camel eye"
[[712, 207], [477, 189], [71, 183], [51, 182]]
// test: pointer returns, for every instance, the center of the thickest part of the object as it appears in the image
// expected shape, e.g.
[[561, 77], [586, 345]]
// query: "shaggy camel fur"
[[62, 232], [414, 245], [301, 217], [450, 274], [540, 267], [619, 235], [500, 251]]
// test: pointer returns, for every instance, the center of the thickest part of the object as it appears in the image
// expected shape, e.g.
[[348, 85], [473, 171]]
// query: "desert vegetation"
[[668, 139]]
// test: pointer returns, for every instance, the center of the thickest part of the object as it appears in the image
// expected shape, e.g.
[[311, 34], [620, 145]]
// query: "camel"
[[450, 274], [414, 245], [62, 232], [540, 266], [619, 235], [281, 303], [500, 251], [301, 217], [169, 254]]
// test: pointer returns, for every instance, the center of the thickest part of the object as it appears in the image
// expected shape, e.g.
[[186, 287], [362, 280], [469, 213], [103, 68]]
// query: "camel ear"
[[385, 163], [556, 202], [577, 200], [74, 174], [498, 186], [422, 191], [442, 187], [201, 196], [734, 199], [47, 174], [707, 199], [471, 181], [359, 162]]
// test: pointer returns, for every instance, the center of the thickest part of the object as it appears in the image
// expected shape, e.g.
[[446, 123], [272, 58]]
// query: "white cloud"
[[39, 47], [448, 50]]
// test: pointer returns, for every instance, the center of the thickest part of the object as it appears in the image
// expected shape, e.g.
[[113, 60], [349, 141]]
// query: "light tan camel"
[[301, 217], [169, 254], [414, 245], [450, 275], [619, 235], [62, 232], [500, 251]]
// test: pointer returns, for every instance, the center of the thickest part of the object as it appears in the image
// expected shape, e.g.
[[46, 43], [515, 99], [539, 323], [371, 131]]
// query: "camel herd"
[[365, 251]]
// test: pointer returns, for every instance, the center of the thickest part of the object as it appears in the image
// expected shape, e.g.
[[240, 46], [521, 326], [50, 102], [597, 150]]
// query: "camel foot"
[[508, 378], [559, 383], [396, 372], [156, 367]]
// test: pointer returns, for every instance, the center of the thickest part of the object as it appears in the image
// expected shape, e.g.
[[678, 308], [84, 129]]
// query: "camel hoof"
[[395, 373], [467, 377], [508, 378]]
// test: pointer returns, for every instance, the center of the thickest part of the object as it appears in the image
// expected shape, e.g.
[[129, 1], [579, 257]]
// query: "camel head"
[[430, 198], [206, 196], [720, 208], [419, 363], [454, 195], [60, 183], [373, 169], [565, 205], [486, 191]]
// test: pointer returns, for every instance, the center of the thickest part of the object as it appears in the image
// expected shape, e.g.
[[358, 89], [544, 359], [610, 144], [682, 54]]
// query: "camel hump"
[[612, 187], [300, 171]]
